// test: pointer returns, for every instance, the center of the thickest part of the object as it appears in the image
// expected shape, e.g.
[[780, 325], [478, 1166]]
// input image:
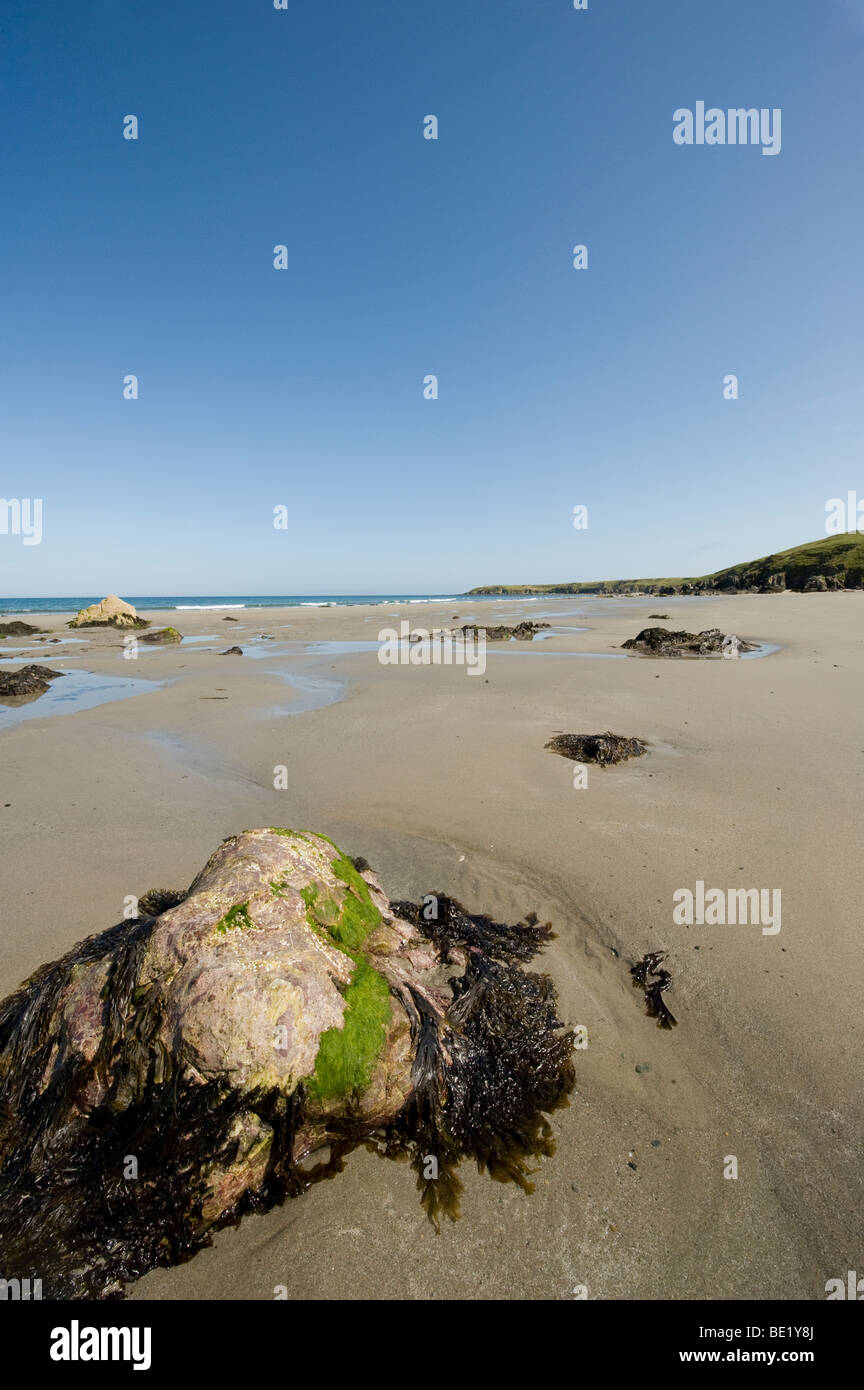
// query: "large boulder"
[[660, 641], [17, 629], [230, 1045], [111, 612]]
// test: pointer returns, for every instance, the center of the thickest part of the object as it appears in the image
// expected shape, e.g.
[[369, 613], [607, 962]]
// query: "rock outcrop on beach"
[[522, 632], [27, 680], [597, 748], [17, 629], [162, 635], [660, 641], [230, 1045], [819, 584], [111, 612]]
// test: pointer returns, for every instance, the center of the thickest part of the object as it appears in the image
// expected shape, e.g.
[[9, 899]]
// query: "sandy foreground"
[[755, 778]]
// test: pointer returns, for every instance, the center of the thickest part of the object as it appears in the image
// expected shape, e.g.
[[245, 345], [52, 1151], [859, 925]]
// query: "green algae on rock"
[[279, 1011], [162, 635], [347, 1055], [236, 916]]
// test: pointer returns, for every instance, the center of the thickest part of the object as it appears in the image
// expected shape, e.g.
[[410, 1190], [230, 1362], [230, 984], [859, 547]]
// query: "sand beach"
[[754, 777]]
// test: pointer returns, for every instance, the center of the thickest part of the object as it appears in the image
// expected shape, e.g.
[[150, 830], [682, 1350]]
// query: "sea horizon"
[[179, 602]]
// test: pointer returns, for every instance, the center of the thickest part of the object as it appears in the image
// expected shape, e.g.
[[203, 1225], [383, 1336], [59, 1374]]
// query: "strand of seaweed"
[[655, 1004], [488, 1073]]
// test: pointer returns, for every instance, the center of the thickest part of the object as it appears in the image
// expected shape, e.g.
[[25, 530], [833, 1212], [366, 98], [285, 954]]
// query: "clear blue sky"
[[408, 257]]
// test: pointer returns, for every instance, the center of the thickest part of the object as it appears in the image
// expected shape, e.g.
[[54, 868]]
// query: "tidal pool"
[[72, 691]]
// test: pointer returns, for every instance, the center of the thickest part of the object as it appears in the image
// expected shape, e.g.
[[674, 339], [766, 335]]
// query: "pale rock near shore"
[[111, 612]]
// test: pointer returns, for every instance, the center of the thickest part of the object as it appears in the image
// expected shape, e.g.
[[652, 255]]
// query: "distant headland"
[[834, 562]]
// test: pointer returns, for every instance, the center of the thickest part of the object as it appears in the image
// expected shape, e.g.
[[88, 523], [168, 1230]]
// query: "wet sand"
[[754, 779]]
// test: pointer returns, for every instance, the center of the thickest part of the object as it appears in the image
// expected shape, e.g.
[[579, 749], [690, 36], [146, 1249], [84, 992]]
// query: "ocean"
[[203, 601]]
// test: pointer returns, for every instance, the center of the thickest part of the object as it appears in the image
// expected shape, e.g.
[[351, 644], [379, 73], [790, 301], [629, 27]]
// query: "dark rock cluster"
[[522, 632], [660, 641], [27, 680]]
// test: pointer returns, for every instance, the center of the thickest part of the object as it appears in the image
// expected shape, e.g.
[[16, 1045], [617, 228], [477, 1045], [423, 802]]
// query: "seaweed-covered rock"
[[162, 635], [180, 1069], [522, 632], [659, 641], [232, 651], [17, 629], [597, 748], [27, 680], [111, 612]]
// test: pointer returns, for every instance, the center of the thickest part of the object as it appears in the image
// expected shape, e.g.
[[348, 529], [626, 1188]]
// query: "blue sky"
[[408, 257]]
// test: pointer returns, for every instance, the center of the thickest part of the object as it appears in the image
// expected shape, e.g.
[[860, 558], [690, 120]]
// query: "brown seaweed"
[[655, 1004], [484, 1078], [604, 749]]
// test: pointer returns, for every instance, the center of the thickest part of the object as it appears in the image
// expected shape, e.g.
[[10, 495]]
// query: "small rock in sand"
[[597, 748]]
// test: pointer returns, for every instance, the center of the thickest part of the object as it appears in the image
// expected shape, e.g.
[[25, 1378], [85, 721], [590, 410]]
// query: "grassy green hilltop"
[[833, 562]]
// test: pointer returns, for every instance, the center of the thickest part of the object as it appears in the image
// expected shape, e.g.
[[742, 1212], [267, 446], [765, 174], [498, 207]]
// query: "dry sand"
[[441, 781]]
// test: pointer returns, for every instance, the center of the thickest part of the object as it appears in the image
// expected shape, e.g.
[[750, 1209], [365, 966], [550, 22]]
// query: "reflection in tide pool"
[[73, 691], [315, 693]]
